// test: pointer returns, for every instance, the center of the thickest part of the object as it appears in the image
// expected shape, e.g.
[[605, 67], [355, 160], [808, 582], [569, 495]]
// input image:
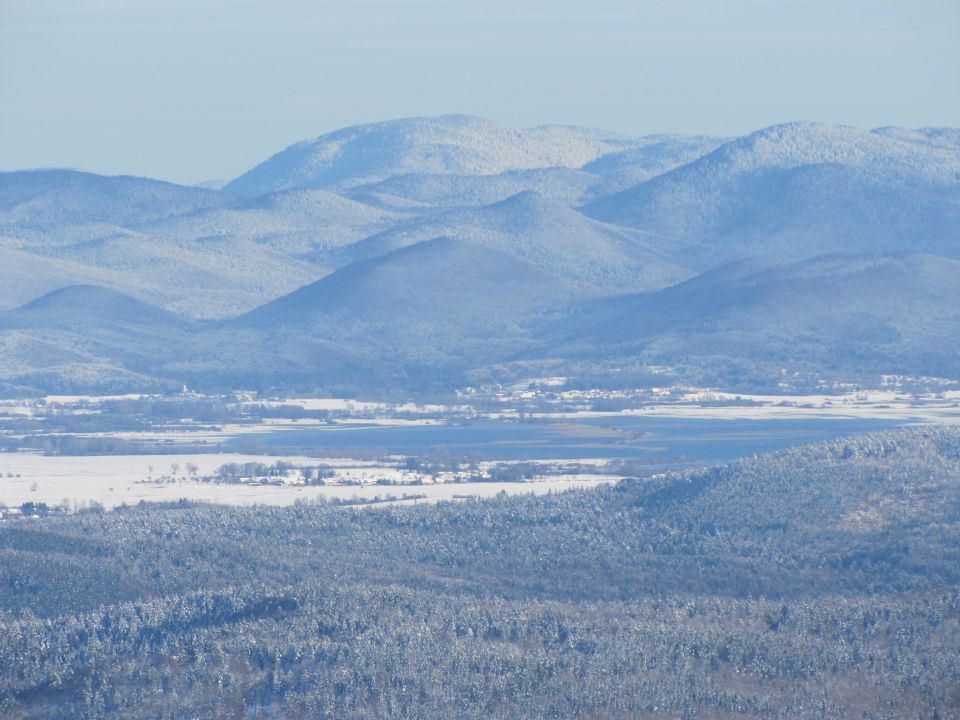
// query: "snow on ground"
[[390, 422], [461, 491], [112, 480], [214, 435], [859, 398], [74, 399], [116, 479], [321, 404], [357, 406], [874, 405], [949, 415]]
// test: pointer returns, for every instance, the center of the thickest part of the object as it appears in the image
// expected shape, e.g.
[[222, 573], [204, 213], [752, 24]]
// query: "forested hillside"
[[817, 582]]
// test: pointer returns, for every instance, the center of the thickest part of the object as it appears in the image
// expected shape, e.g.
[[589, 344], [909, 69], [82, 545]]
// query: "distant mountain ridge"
[[56, 197], [828, 314], [432, 315], [591, 256], [428, 252], [434, 308], [450, 144], [800, 190]]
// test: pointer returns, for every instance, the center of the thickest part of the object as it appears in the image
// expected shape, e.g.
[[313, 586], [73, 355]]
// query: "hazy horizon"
[[203, 91], [215, 180]]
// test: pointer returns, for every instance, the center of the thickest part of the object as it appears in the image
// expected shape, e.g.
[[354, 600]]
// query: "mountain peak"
[[94, 302], [448, 144], [814, 143]]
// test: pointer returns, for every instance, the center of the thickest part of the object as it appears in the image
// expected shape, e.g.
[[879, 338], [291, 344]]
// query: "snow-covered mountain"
[[449, 144], [77, 306], [208, 277], [416, 318], [836, 313], [800, 190], [293, 222], [44, 198], [646, 158], [88, 337], [594, 258], [415, 252], [26, 276], [651, 156], [434, 314], [441, 304], [416, 192]]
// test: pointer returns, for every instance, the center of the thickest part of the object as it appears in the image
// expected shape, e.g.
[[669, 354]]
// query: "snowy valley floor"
[[406, 453]]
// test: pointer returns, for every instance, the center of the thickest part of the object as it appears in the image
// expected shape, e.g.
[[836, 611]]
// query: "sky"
[[196, 90]]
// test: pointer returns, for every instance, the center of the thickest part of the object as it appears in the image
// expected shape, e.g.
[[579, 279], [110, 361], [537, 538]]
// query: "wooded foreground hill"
[[819, 582]]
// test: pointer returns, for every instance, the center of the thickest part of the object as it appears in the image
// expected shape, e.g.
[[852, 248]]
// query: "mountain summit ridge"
[[448, 144]]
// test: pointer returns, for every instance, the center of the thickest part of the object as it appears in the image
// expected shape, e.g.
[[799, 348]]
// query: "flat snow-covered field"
[[113, 480]]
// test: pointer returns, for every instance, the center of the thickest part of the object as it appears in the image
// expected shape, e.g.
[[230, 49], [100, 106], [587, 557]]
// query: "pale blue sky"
[[189, 90]]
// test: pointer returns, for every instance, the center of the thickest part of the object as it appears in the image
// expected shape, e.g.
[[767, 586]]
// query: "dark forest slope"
[[817, 582]]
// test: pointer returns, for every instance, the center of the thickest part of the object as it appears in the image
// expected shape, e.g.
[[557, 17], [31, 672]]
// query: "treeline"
[[816, 582]]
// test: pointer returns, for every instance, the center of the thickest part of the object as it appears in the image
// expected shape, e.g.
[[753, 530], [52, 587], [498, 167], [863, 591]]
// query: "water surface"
[[651, 439]]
